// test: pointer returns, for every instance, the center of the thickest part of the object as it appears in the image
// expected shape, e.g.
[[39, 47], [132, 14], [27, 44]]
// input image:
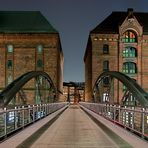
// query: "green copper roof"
[[24, 22]]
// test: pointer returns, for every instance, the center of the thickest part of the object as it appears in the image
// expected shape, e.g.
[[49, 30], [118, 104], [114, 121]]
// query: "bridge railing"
[[132, 119], [15, 119]]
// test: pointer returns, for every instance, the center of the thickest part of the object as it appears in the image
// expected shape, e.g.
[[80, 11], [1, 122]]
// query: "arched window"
[[129, 68], [39, 63], [129, 37], [105, 65], [39, 49], [129, 52], [9, 79], [9, 64], [9, 48], [105, 49]]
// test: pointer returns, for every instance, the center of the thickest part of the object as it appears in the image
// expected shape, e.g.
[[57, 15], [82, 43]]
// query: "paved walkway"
[[74, 129]]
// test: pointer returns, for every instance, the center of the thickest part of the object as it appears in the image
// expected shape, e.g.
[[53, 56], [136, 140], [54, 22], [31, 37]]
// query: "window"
[[9, 64], [105, 49], [39, 63], [129, 37], [106, 66], [106, 80], [105, 97], [9, 48], [129, 52], [39, 49], [129, 68], [124, 88], [9, 79]]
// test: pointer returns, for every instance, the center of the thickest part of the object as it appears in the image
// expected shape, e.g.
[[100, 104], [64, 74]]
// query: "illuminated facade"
[[29, 43], [119, 43], [73, 91]]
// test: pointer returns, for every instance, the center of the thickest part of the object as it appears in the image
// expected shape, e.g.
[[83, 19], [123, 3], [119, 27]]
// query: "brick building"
[[28, 42], [119, 43], [73, 91]]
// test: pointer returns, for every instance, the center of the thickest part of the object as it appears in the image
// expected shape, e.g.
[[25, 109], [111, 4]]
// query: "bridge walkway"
[[75, 129]]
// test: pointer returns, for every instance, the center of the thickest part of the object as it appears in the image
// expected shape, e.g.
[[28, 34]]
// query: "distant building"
[[73, 91], [119, 43], [28, 42]]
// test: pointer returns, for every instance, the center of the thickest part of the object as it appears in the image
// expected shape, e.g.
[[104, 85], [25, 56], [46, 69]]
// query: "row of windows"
[[10, 64], [127, 52], [10, 49], [128, 37], [128, 67]]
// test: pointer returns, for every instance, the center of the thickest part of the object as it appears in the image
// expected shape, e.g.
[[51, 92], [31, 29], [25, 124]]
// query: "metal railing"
[[133, 119], [15, 119]]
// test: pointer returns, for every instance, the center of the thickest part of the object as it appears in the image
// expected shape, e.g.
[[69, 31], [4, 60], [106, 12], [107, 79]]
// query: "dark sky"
[[74, 19]]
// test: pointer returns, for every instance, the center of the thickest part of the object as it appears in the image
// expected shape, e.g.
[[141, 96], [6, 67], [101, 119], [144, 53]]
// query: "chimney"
[[130, 12]]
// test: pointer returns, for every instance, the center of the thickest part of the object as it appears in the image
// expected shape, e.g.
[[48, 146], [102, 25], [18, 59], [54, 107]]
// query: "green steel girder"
[[131, 84], [10, 91]]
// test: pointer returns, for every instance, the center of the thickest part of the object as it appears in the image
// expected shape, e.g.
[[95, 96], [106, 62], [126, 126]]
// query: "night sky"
[[74, 19]]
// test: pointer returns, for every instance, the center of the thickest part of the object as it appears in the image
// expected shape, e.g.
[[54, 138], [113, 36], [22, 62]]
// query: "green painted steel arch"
[[134, 87], [9, 92]]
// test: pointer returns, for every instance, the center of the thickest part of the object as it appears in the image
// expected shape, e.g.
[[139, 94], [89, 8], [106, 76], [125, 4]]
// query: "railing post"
[[133, 113], [119, 114], [33, 113], [125, 117], [29, 114], [143, 113], [15, 118], [23, 116], [5, 121], [114, 112]]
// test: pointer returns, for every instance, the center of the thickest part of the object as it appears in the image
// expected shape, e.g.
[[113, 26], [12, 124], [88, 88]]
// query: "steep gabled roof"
[[24, 22], [111, 24]]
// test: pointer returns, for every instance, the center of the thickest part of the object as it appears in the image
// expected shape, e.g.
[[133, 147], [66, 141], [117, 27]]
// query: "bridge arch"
[[10, 91], [132, 88]]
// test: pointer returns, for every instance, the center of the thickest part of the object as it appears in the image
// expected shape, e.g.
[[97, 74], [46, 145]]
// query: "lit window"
[[129, 68], [105, 97], [39, 48], [9, 64], [39, 63], [129, 52], [129, 37], [9, 48], [105, 49], [124, 88], [9, 79]]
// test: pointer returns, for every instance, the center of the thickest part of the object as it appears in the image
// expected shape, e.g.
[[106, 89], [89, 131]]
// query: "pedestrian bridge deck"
[[73, 129]]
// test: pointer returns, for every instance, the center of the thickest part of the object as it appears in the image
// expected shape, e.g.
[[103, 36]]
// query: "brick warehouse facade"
[[119, 43], [29, 43]]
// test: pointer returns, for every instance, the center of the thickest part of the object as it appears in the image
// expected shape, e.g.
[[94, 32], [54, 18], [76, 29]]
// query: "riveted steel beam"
[[131, 84], [9, 92]]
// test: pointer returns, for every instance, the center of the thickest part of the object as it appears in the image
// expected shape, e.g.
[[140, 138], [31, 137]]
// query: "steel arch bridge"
[[129, 92], [42, 87]]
